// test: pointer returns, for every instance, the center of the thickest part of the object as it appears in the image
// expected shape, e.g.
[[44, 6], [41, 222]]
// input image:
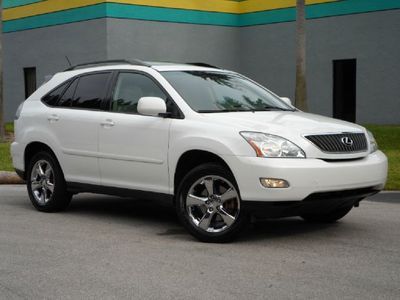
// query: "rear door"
[[74, 122]]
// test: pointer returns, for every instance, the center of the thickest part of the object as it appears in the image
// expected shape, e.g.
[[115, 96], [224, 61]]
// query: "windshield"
[[207, 92]]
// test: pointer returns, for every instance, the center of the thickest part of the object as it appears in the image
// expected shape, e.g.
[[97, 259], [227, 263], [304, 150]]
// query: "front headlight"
[[268, 145], [373, 145]]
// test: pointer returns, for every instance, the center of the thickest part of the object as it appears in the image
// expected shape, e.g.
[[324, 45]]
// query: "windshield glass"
[[207, 92]]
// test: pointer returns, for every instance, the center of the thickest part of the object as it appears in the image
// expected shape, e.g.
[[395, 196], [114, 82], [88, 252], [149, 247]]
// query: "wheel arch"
[[193, 158], [31, 149]]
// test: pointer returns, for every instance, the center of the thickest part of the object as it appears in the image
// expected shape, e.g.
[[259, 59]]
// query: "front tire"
[[329, 217], [208, 204], [46, 184]]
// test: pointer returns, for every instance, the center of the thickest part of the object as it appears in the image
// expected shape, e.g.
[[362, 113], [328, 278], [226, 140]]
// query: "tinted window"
[[90, 91], [130, 87], [219, 92], [52, 97], [66, 99]]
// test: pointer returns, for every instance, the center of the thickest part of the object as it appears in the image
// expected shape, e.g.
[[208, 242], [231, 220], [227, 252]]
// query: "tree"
[[301, 86], [2, 129]]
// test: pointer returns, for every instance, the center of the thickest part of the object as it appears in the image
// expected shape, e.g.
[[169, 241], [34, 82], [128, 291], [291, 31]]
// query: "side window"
[[130, 87], [52, 97], [66, 99], [90, 91]]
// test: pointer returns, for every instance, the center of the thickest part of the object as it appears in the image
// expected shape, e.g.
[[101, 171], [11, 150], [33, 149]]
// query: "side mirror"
[[151, 106], [287, 101]]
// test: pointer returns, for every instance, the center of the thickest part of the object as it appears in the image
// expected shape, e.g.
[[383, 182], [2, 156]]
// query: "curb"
[[10, 178]]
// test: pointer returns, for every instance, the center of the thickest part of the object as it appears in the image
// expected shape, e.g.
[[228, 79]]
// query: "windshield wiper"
[[240, 108], [220, 110], [269, 108]]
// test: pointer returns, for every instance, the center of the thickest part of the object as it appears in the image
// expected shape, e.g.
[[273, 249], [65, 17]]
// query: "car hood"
[[284, 123]]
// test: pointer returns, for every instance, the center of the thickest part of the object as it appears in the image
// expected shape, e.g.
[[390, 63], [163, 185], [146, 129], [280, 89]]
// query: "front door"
[[133, 149]]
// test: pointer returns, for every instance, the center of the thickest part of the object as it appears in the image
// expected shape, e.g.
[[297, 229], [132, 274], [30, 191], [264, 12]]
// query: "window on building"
[[30, 81], [130, 87], [90, 91]]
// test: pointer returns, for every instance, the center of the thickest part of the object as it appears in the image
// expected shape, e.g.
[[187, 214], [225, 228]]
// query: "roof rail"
[[134, 62], [200, 64]]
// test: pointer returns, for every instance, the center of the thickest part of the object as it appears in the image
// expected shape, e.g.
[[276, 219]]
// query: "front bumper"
[[317, 203], [306, 176]]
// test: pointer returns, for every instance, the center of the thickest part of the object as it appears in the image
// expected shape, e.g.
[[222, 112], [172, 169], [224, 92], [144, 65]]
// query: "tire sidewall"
[[60, 198], [208, 169]]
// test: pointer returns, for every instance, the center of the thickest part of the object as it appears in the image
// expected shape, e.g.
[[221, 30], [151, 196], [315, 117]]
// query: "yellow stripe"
[[261, 5], [224, 6], [45, 7]]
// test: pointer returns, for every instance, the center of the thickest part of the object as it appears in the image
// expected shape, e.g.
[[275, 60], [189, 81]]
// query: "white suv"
[[217, 144]]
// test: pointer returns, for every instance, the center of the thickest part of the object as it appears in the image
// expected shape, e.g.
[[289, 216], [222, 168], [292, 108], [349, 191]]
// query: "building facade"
[[353, 46]]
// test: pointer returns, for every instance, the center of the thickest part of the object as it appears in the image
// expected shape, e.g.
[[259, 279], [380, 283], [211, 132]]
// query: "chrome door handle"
[[53, 118], [107, 123]]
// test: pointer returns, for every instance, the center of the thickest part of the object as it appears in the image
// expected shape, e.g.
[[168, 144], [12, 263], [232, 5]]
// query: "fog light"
[[274, 183]]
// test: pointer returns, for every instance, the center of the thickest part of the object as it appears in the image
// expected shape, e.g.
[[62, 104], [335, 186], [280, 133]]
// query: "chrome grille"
[[336, 143]]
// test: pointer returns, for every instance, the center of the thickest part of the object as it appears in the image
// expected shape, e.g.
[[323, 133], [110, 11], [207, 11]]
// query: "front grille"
[[336, 143]]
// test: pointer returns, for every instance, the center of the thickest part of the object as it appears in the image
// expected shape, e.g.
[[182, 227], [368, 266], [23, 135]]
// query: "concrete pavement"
[[106, 247]]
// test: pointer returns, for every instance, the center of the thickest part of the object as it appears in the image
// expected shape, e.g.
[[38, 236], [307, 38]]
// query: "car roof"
[[134, 64]]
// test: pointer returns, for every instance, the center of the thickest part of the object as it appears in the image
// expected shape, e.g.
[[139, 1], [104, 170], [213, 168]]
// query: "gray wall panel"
[[165, 41], [267, 54], [45, 49]]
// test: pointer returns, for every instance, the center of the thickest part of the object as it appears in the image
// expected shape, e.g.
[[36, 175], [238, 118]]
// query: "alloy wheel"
[[213, 204], [42, 182]]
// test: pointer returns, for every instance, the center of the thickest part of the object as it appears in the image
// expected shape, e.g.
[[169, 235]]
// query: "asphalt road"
[[105, 247]]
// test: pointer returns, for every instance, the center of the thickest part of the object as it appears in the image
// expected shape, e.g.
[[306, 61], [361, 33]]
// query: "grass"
[[9, 128], [5, 157], [387, 136]]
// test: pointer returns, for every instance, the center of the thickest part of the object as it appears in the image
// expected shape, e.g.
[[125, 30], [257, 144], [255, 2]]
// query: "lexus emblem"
[[347, 141]]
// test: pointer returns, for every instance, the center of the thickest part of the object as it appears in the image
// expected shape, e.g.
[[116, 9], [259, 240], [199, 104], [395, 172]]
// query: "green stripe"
[[15, 3], [348, 7], [344, 7], [57, 18], [138, 12], [268, 17], [115, 10]]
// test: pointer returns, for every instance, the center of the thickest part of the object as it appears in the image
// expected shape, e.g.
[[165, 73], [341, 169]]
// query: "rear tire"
[[329, 217], [46, 184], [208, 204]]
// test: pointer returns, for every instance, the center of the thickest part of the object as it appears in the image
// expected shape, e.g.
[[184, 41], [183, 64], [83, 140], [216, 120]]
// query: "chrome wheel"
[[42, 182], [213, 204]]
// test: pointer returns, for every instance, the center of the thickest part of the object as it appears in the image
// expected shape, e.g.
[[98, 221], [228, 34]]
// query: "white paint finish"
[[76, 133], [305, 176], [151, 106], [133, 153], [141, 152]]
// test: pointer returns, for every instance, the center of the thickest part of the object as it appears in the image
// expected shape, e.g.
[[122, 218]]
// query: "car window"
[[130, 87], [90, 91], [68, 95], [52, 97], [206, 91]]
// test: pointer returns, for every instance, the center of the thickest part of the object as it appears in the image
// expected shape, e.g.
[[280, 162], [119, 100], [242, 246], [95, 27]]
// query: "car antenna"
[[69, 62]]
